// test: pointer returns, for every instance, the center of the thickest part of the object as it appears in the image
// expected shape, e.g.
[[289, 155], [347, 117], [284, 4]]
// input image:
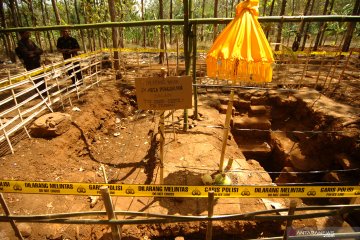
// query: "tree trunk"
[[280, 25], [67, 12], [121, 29], [322, 37], [306, 36], [18, 14], [264, 7], [15, 22], [232, 8], [46, 34], [5, 36], [143, 18], [88, 31], [171, 16], [47, 17], [202, 25], [56, 12], [216, 3], [226, 8], [270, 14], [351, 27], [299, 34], [162, 45], [112, 12], [79, 22], [34, 23], [321, 27], [23, 13]]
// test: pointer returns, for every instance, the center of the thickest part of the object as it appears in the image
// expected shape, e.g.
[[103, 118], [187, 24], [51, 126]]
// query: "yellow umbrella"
[[241, 51]]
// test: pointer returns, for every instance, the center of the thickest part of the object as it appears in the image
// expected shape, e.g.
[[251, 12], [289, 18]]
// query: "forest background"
[[25, 13]]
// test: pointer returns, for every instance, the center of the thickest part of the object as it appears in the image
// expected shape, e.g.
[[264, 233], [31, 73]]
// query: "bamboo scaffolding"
[[53, 80], [16, 105]]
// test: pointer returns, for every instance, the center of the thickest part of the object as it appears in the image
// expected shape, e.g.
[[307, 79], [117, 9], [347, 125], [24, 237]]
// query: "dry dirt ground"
[[109, 130]]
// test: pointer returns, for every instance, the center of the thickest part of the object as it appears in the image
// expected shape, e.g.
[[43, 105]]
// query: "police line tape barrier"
[[45, 69], [157, 50], [131, 190]]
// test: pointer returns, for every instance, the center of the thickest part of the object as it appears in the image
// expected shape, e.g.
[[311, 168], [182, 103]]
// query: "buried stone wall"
[[299, 137]]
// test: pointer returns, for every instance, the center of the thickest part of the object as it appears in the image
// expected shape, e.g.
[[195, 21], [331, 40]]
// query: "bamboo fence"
[[21, 103]]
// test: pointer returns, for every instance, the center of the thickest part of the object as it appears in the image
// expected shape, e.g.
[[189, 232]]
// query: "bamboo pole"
[[194, 43], [172, 22], [162, 143], [115, 229], [7, 213], [7, 137], [209, 229], [177, 56], [226, 129], [345, 67], [332, 72], [186, 52], [289, 221], [17, 107], [98, 61], [46, 87], [318, 75], [36, 87], [58, 87]]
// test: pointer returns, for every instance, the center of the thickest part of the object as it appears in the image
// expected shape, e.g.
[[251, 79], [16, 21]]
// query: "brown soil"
[[110, 130]]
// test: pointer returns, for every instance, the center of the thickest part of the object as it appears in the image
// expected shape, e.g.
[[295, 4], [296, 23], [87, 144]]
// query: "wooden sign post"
[[163, 93]]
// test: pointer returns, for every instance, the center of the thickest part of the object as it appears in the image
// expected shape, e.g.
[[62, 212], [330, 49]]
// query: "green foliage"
[[97, 11]]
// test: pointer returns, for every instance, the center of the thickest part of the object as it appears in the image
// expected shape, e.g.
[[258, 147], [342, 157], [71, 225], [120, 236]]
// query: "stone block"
[[50, 125]]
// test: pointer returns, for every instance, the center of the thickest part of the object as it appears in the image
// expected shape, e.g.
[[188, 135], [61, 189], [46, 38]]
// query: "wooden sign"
[[158, 93]]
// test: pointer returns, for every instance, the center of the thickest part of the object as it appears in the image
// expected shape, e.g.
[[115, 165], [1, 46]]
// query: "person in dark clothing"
[[69, 47], [30, 54]]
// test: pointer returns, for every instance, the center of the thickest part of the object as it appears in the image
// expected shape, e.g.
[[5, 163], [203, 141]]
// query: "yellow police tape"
[[157, 50], [127, 190]]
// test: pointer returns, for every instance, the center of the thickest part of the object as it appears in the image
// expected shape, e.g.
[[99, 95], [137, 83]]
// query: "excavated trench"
[[293, 141]]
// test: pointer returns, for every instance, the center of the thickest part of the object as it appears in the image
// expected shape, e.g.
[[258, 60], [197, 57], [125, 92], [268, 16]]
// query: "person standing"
[[69, 48], [30, 54]]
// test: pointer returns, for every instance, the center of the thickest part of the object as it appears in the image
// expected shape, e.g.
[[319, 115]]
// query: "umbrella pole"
[[226, 129]]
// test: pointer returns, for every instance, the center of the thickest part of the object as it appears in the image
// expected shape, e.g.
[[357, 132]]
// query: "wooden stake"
[[289, 221], [173, 124], [115, 229], [210, 214], [104, 173], [7, 213], [226, 129], [345, 67], [177, 56], [333, 72], [318, 76], [162, 143]]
